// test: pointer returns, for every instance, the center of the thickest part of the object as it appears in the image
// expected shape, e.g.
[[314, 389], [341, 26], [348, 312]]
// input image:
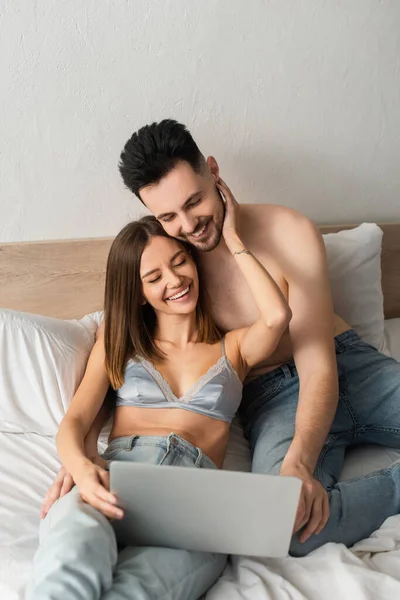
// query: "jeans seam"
[[327, 447], [344, 398], [376, 473], [266, 386], [246, 411], [378, 429], [213, 558]]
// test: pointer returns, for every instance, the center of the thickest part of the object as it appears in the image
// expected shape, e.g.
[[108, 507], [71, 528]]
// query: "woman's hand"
[[94, 484], [230, 229], [62, 484]]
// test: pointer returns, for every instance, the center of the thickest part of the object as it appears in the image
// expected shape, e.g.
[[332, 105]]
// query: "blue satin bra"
[[216, 394]]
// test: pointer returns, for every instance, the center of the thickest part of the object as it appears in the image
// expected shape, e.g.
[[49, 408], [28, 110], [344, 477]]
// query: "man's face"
[[188, 205]]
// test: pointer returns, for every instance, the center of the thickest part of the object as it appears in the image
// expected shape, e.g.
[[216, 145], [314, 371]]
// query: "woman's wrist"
[[234, 243], [80, 465]]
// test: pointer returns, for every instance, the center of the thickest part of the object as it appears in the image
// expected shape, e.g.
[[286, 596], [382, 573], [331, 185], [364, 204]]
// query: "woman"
[[179, 384]]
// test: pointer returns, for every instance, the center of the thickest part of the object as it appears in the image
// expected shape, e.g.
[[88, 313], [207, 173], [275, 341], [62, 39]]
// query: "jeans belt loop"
[[286, 371], [131, 442], [199, 458]]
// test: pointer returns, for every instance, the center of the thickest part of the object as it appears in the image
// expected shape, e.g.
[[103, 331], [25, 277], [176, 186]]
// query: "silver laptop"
[[204, 509]]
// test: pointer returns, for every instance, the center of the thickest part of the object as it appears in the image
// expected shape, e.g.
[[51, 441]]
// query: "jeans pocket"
[[363, 346], [258, 395], [115, 447], [110, 454]]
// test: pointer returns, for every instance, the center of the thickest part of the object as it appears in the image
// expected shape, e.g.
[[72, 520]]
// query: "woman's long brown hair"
[[130, 324]]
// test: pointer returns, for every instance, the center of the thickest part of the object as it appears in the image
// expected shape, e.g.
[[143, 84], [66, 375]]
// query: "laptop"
[[228, 512]]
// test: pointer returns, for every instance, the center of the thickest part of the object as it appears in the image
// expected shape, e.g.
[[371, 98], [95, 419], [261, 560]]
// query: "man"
[[289, 406], [323, 389]]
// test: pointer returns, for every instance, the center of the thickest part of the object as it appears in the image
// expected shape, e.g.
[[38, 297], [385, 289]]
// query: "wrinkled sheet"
[[368, 571]]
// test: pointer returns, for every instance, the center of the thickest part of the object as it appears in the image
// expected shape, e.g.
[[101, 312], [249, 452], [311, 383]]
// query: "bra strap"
[[223, 347]]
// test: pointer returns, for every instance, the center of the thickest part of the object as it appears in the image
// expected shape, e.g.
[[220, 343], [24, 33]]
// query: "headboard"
[[65, 278]]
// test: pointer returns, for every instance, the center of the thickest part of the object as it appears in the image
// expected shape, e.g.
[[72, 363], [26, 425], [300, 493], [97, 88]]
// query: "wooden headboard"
[[65, 279]]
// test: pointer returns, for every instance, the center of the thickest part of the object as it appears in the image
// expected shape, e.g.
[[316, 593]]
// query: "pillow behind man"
[[354, 261]]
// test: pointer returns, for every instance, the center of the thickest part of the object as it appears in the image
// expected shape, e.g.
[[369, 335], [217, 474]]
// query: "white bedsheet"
[[369, 571]]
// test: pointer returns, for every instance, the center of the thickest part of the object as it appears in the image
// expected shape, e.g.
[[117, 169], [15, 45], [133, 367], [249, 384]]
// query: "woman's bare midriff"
[[211, 435], [208, 434]]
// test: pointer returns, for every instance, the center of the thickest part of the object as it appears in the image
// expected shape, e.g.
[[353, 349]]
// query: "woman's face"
[[170, 283]]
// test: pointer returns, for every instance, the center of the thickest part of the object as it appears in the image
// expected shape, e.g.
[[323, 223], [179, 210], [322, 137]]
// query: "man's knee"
[[298, 550]]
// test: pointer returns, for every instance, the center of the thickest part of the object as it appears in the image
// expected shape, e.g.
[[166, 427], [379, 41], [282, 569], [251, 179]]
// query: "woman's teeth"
[[200, 232], [179, 295]]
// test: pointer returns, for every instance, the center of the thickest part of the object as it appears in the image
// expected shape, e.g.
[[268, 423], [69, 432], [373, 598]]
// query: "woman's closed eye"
[[180, 263], [155, 279]]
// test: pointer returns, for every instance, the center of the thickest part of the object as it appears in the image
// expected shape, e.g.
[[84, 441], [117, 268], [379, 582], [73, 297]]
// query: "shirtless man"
[[323, 389]]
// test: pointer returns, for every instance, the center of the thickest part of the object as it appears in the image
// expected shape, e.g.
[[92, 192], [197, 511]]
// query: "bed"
[[63, 281]]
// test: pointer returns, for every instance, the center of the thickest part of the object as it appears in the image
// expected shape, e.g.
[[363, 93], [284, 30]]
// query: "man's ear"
[[214, 168]]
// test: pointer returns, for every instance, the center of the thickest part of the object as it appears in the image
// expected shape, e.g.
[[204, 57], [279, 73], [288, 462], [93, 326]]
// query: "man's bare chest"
[[231, 302]]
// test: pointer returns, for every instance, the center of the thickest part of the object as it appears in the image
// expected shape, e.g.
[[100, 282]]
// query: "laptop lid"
[[204, 509]]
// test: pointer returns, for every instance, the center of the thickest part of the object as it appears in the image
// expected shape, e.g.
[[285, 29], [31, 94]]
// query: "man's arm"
[[312, 337], [301, 254]]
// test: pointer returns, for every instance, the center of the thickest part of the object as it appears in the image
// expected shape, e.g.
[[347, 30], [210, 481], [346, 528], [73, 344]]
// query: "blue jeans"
[[368, 413], [78, 556]]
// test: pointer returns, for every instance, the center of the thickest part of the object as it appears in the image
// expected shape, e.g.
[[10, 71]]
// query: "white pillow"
[[354, 261], [42, 361]]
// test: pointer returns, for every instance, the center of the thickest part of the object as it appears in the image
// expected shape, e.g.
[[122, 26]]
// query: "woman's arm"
[[91, 479], [258, 341], [63, 481], [82, 412], [95, 430]]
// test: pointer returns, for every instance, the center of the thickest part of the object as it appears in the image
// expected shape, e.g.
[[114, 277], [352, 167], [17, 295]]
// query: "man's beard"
[[215, 237], [212, 240]]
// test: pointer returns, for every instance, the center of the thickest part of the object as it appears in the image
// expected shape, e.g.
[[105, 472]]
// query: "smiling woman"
[[175, 376], [149, 276]]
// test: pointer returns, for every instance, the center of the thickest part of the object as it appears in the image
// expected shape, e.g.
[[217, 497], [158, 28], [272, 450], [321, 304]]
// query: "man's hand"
[[313, 508]]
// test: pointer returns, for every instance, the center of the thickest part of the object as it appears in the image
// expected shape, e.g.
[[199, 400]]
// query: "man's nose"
[[188, 225]]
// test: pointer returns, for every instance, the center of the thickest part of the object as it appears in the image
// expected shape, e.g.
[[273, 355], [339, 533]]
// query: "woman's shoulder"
[[231, 345]]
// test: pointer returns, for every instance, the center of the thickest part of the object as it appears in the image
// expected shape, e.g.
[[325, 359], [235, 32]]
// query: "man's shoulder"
[[274, 223]]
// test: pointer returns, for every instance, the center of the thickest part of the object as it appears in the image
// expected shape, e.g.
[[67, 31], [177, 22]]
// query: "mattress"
[[369, 571]]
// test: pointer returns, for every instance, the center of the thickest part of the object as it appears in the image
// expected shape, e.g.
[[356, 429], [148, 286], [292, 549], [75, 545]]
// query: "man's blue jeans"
[[368, 413]]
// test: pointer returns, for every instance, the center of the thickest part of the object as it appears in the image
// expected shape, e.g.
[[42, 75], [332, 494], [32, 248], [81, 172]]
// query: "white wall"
[[299, 102]]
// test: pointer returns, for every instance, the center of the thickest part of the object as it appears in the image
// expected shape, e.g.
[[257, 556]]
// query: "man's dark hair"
[[154, 150]]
